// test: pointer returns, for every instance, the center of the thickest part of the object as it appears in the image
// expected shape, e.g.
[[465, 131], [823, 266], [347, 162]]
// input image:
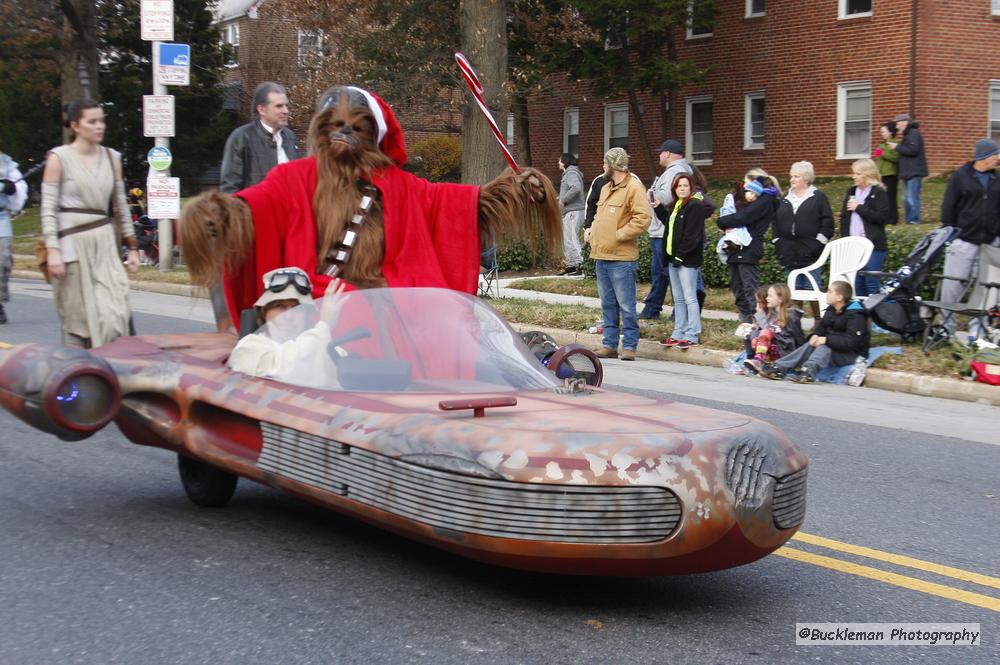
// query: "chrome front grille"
[[457, 503], [789, 505]]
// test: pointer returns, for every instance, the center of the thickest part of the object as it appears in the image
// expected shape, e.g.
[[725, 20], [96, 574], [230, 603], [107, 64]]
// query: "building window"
[[310, 48], [996, 7], [995, 110], [753, 121], [615, 126], [510, 131], [755, 8], [231, 44], [698, 130], [701, 17], [855, 8], [854, 120], [571, 132]]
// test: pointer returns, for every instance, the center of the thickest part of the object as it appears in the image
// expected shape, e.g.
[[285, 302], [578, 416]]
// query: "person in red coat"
[[349, 211]]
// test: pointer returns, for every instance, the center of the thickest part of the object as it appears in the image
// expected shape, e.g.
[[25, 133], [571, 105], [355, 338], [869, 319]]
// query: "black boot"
[[3, 315]]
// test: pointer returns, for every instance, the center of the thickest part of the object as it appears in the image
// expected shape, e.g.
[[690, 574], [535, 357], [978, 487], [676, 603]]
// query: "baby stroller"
[[897, 308]]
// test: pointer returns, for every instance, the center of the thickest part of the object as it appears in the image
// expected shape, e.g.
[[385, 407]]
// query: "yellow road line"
[[899, 560], [912, 583]]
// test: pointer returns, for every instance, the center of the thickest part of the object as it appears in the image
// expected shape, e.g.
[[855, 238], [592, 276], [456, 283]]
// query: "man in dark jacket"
[[912, 165], [744, 262], [257, 147], [839, 338], [972, 205]]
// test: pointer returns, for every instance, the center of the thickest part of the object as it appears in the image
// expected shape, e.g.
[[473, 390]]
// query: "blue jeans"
[[616, 286], [687, 316], [867, 285], [911, 200], [660, 281]]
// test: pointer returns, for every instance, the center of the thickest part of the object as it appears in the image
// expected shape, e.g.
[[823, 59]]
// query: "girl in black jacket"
[[865, 212], [683, 244]]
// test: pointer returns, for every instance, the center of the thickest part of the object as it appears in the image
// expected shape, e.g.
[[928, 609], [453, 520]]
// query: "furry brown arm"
[[216, 231], [517, 204]]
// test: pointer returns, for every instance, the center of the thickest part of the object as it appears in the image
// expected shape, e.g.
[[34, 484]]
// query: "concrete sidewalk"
[[918, 384]]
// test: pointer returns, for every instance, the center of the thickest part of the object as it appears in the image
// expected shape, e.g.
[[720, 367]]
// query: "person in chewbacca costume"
[[349, 211]]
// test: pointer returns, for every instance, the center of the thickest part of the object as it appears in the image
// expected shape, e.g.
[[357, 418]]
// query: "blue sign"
[[175, 64]]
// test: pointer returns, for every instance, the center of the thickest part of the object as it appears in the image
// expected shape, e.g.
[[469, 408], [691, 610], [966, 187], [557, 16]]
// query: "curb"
[[881, 379], [185, 290]]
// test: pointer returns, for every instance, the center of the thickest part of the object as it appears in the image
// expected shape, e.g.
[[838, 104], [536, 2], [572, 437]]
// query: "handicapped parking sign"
[[175, 64]]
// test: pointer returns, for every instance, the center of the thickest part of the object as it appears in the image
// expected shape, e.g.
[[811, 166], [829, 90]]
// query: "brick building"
[[794, 80], [266, 44]]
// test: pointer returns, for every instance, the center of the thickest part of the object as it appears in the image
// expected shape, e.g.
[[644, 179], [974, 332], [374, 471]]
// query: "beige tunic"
[[92, 299]]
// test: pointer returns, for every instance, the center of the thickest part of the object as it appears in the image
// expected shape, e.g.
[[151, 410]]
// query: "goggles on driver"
[[280, 280]]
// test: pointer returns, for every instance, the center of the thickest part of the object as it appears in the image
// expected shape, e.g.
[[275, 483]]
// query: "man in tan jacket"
[[622, 216]]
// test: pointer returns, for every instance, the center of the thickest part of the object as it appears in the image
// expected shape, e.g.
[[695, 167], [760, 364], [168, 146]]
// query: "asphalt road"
[[105, 561]]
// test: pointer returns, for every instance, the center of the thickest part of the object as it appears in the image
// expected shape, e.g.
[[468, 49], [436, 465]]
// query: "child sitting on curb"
[[777, 329], [839, 338]]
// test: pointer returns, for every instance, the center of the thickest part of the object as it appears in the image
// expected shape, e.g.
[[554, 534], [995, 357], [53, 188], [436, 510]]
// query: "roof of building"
[[227, 10]]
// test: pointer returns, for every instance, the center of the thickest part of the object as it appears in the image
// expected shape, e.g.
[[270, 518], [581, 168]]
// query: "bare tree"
[[484, 42]]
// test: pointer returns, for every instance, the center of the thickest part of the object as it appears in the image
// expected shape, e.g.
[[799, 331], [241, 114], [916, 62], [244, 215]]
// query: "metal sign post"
[[157, 26]]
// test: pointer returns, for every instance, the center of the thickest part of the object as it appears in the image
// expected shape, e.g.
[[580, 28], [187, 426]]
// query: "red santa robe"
[[431, 233]]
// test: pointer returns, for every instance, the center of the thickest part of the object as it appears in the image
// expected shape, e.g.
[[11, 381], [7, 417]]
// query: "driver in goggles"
[[291, 342]]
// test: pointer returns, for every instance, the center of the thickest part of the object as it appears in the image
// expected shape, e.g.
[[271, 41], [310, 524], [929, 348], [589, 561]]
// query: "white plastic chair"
[[846, 255]]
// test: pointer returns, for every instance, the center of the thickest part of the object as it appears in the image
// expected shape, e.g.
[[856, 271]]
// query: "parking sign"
[[175, 64]]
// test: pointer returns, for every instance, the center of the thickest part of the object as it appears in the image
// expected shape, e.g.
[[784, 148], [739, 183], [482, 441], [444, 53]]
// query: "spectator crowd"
[[674, 210]]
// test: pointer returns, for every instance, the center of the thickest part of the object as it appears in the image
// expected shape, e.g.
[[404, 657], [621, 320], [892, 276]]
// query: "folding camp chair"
[[489, 275], [982, 296]]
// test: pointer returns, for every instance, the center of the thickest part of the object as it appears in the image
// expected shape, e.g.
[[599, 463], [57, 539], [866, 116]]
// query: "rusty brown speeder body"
[[569, 479]]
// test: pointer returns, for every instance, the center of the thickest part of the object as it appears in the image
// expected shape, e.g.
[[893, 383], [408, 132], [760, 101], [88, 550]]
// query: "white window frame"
[[231, 38], [233, 34], [510, 131], [994, 90], [567, 113], [689, 134], [319, 55], [995, 7], [690, 34], [750, 13], [843, 15], [842, 89], [748, 99], [609, 109]]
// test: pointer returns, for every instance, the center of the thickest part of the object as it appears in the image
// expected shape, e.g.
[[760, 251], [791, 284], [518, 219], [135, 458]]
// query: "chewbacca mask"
[[349, 210]]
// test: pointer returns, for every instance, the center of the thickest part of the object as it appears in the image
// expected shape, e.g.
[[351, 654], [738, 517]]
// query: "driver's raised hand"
[[333, 300]]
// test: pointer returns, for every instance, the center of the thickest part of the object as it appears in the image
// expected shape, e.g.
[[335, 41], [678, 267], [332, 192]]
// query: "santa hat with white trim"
[[390, 134]]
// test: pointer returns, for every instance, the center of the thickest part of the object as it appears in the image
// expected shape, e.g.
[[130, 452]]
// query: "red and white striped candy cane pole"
[[471, 80]]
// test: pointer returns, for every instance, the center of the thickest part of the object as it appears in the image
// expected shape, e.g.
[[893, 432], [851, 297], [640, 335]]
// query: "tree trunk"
[[79, 58], [522, 126], [484, 43], [640, 124]]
